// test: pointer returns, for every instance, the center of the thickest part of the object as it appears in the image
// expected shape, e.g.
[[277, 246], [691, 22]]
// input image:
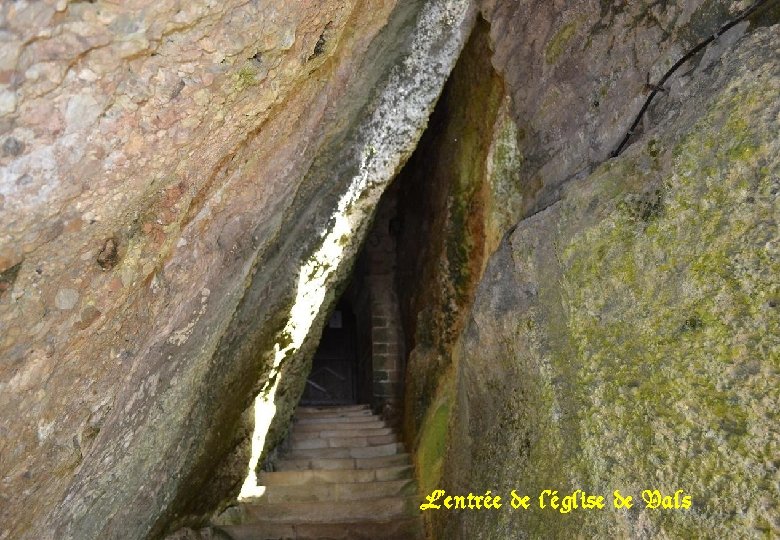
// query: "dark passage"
[[360, 357], [333, 377]]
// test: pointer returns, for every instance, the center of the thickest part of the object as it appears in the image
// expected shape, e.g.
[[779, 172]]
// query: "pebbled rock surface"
[[165, 168], [627, 336], [577, 73]]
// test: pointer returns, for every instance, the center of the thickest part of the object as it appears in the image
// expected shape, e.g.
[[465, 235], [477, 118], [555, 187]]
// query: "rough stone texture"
[[165, 170], [577, 74], [574, 76], [627, 337]]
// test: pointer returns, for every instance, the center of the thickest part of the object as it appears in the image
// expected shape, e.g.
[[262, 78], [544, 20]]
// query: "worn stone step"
[[373, 423], [325, 409], [366, 452], [342, 442], [342, 463], [349, 476], [404, 487], [410, 528], [336, 417], [368, 432], [332, 414], [331, 511], [348, 419]]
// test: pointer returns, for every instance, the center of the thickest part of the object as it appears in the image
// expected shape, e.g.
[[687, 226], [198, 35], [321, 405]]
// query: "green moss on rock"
[[245, 78], [433, 440], [627, 337], [559, 41]]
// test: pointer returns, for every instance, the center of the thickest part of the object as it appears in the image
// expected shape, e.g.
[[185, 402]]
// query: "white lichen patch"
[[44, 430], [82, 111], [181, 336], [66, 299]]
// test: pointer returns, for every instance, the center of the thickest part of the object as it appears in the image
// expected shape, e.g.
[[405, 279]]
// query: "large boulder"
[[167, 170], [626, 337]]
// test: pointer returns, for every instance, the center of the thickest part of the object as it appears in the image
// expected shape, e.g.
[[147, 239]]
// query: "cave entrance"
[[360, 357], [406, 299]]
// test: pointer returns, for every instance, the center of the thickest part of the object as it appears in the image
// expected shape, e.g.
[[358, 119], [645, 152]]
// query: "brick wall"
[[387, 353]]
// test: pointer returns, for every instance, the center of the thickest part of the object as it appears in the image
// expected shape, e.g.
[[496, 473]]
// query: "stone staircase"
[[345, 476]]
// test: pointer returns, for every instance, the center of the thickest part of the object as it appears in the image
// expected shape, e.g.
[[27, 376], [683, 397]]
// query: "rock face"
[[577, 73], [586, 361], [166, 171], [626, 337]]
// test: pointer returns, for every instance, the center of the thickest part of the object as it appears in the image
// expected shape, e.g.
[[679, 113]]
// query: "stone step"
[[334, 415], [325, 409], [347, 476], [366, 452], [397, 529], [359, 419], [303, 464], [301, 427], [368, 432], [342, 442], [404, 487], [331, 511]]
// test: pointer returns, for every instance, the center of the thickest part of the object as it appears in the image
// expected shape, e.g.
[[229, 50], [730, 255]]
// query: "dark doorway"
[[332, 380], [360, 358]]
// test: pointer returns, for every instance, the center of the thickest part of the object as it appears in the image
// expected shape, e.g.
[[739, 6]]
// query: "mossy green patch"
[[627, 337], [662, 315], [433, 441], [557, 44], [447, 186], [245, 78]]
